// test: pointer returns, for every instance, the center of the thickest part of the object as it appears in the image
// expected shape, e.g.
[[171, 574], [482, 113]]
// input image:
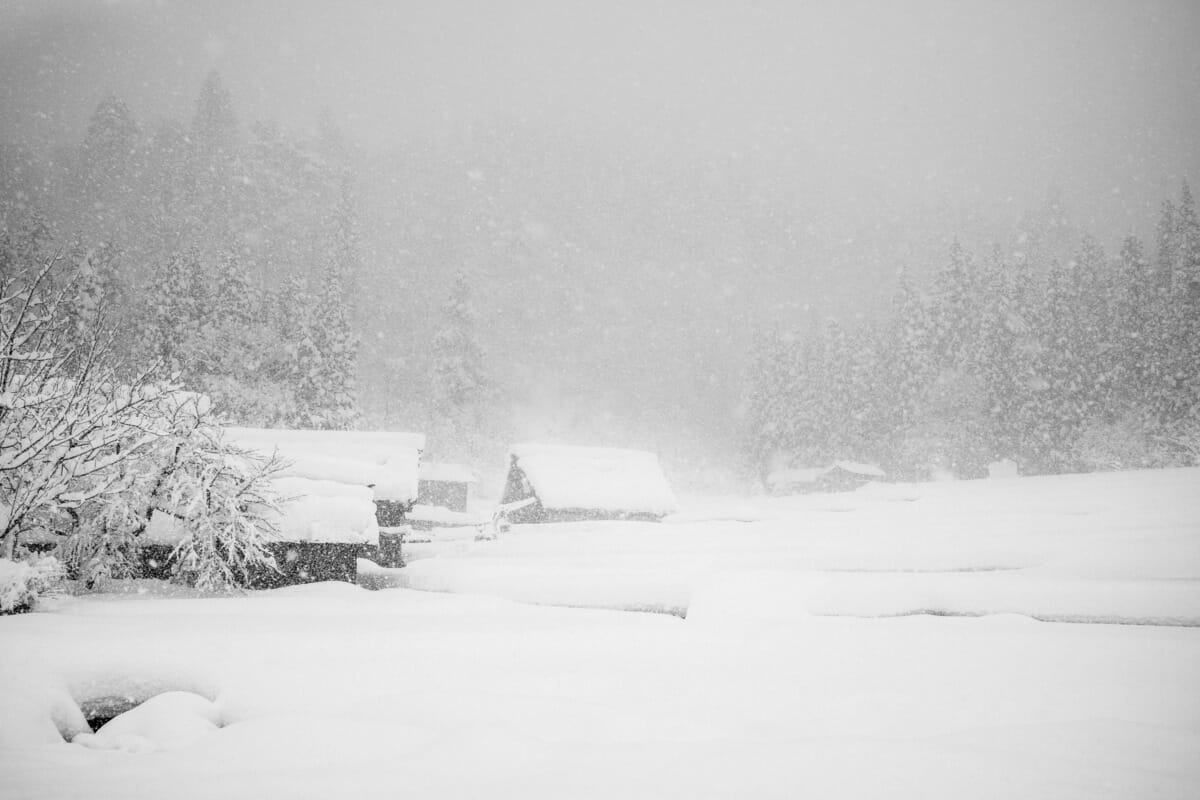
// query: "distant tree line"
[[230, 260], [1061, 365]]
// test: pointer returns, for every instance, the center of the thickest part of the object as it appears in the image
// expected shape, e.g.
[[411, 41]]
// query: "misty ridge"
[[930, 237]]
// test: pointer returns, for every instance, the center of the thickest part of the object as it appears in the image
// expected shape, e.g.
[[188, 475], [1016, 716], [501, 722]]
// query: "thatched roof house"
[[348, 484], [840, 476], [586, 483]]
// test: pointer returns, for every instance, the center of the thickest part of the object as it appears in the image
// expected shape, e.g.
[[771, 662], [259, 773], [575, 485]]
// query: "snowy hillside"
[[816, 659]]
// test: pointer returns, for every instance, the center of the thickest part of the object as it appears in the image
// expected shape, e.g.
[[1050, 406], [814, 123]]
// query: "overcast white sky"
[[979, 100]]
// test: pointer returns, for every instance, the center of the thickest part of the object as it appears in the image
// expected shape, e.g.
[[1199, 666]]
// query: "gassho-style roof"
[[565, 477], [385, 461]]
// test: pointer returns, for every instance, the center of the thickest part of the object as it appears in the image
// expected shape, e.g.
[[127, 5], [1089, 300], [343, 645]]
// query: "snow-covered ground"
[[803, 667]]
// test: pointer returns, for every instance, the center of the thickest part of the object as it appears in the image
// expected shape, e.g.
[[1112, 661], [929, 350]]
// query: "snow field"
[[789, 677], [333, 690], [1120, 547]]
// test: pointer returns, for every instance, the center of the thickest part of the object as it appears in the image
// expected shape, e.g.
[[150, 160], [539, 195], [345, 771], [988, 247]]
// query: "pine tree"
[[1139, 362], [1003, 358], [1182, 318], [460, 386], [214, 133], [912, 358], [177, 310], [950, 312], [1187, 238], [337, 346], [237, 301], [458, 369], [104, 185], [766, 412], [214, 124], [1167, 231]]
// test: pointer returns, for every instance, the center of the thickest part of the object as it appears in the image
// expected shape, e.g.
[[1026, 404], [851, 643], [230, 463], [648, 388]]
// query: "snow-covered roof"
[[325, 511], [870, 470], [385, 460], [799, 475], [796, 475], [312, 511], [451, 473], [565, 477]]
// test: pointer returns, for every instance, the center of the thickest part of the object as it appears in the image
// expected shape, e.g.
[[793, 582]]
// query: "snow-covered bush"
[[91, 451], [217, 496], [223, 499], [23, 582]]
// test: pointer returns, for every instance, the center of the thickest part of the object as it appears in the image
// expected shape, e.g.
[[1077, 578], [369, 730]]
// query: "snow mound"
[[565, 477], [167, 721], [22, 582]]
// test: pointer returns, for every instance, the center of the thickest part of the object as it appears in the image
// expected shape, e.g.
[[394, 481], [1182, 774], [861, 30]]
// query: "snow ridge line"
[[1070, 619]]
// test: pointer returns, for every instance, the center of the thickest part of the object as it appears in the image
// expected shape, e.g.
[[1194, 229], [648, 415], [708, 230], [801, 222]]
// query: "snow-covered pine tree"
[[1184, 314], [459, 384], [1167, 233], [238, 300], [214, 124], [870, 411], [104, 183], [762, 415], [95, 290], [950, 311], [1135, 323], [212, 166], [458, 372], [177, 308], [1065, 403], [912, 360], [1094, 327], [999, 356], [336, 394]]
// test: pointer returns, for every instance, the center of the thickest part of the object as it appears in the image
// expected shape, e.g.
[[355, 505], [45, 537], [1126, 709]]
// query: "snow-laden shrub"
[[23, 582], [222, 498], [216, 498]]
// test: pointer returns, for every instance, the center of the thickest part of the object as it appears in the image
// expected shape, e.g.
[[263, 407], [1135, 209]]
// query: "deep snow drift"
[[791, 676]]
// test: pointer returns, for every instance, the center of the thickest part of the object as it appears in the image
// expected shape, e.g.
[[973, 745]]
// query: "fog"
[[638, 190]]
